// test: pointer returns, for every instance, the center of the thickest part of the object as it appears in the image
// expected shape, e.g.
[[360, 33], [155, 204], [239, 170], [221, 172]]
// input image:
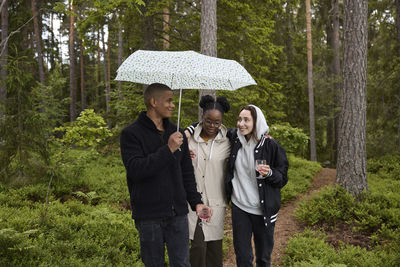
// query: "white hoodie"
[[245, 191]]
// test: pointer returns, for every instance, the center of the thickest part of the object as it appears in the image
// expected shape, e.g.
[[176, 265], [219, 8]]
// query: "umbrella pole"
[[179, 109]]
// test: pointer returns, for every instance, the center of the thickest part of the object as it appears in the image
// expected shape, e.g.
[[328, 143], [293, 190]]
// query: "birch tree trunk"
[[352, 156], [38, 40], [313, 152], [208, 36], [4, 52], [72, 78]]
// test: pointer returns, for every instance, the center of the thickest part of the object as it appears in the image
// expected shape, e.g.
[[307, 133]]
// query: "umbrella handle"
[[179, 109], [179, 112]]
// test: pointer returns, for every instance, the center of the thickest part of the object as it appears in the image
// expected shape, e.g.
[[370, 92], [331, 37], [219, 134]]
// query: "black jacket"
[[160, 183], [269, 188]]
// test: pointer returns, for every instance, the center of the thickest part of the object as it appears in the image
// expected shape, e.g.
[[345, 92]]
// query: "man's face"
[[164, 105]]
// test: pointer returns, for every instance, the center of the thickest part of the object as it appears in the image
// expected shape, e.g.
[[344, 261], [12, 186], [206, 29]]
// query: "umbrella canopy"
[[183, 70]]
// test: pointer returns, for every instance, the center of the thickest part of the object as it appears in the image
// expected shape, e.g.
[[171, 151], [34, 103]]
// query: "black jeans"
[[244, 226], [154, 234], [203, 253]]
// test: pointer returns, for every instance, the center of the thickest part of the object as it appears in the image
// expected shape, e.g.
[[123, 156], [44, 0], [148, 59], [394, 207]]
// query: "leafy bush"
[[387, 167], [310, 249], [300, 173], [294, 140], [377, 214], [89, 130], [330, 206], [73, 235]]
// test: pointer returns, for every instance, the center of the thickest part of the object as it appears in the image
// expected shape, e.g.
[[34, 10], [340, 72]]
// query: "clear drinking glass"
[[258, 164], [204, 214]]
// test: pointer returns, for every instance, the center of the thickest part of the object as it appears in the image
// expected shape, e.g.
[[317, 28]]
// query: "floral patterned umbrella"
[[183, 70]]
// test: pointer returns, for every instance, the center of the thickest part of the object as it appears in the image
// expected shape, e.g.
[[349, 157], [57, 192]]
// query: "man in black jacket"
[[160, 180]]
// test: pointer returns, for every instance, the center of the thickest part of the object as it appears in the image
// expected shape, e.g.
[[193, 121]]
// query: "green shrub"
[[294, 140], [387, 167], [308, 246], [300, 174], [376, 214], [330, 206], [310, 249], [73, 234], [89, 130]]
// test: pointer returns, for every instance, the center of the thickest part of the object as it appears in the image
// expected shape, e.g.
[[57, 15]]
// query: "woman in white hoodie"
[[210, 149], [255, 195]]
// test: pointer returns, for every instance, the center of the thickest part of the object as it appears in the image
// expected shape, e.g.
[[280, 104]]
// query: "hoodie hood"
[[261, 126]]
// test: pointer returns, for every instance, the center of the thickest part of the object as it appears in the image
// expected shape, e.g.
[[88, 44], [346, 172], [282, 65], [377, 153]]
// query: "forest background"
[[50, 75], [46, 76]]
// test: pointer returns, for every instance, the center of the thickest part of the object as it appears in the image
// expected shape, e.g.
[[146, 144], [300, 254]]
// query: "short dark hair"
[[154, 90], [253, 113]]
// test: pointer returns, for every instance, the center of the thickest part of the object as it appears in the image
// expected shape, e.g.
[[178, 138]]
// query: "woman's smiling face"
[[212, 120], [245, 123]]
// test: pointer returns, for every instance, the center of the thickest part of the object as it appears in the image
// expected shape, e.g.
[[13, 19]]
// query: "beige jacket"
[[210, 168]]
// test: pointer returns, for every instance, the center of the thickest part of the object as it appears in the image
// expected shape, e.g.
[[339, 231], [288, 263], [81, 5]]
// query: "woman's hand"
[[192, 153], [264, 170]]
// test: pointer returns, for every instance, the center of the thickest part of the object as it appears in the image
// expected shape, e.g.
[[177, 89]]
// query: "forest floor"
[[287, 225]]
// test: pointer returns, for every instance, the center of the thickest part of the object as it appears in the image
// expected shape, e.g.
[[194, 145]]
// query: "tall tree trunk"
[[313, 151], [72, 78], [398, 54], [352, 156], [107, 90], [4, 53], [120, 54], [148, 20], [38, 40], [208, 35], [98, 73], [336, 73], [288, 40], [52, 42], [108, 77], [330, 130], [166, 27], [82, 65]]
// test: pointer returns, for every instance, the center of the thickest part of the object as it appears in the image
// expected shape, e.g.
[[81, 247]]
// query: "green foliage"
[[387, 167], [300, 173], [294, 140], [330, 206], [377, 214], [24, 137], [73, 235], [310, 249], [86, 223], [126, 105], [379, 208], [89, 130], [245, 34]]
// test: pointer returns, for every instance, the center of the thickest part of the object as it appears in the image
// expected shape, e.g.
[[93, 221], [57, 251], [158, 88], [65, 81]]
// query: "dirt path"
[[286, 224]]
